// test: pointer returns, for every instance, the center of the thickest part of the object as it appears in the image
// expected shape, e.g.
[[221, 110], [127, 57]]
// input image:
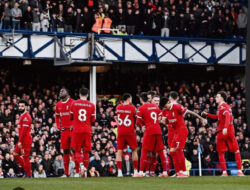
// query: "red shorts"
[[179, 140], [81, 141], [126, 140], [66, 139], [225, 142], [152, 143], [24, 151]]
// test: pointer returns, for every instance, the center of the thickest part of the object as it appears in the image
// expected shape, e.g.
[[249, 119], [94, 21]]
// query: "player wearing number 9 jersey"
[[148, 114], [126, 132], [83, 115]]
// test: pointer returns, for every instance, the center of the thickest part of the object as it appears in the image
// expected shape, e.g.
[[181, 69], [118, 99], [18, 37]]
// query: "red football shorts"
[[152, 143], [179, 140], [24, 151], [66, 139], [81, 141], [124, 140], [225, 142]]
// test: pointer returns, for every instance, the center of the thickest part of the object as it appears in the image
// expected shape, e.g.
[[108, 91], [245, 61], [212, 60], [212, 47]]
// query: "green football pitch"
[[192, 183]]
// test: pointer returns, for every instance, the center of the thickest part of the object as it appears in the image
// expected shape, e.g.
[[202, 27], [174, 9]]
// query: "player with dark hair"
[[225, 133], [22, 148], [126, 113], [83, 116], [64, 124], [148, 114], [150, 95], [173, 115]]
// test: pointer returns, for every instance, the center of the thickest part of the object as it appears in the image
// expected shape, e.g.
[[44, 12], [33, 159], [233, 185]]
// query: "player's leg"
[[77, 142], [159, 147], [143, 162], [26, 159], [17, 156], [153, 164], [234, 147], [65, 145], [86, 149], [132, 142], [148, 163], [221, 147], [175, 160], [120, 146]]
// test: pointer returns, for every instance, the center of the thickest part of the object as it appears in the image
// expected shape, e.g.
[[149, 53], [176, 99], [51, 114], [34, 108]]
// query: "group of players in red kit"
[[74, 119]]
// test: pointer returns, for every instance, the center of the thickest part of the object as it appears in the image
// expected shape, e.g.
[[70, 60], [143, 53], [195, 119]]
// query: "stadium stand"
[[192, 18], [197, 95]]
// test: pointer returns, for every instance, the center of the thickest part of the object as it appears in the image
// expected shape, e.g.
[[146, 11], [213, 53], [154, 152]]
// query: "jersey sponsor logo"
[[25, 119]]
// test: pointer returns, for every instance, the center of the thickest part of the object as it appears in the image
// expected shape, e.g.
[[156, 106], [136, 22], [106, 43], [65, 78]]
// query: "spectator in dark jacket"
[[127, 166], [28, 18], [47, 165], [130, 22], [68, 18]]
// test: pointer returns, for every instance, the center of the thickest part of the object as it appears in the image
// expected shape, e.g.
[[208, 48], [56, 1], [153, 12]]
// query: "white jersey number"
[[127, 122], [153, 115], [82, 115]]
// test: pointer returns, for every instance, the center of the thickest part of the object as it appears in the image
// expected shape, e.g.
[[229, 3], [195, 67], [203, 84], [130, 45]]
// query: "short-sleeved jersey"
[[166, 114], [126, 116], [63, 111], [175, 117], [149, 115], [83, 112], [24, 127], [223, 111]]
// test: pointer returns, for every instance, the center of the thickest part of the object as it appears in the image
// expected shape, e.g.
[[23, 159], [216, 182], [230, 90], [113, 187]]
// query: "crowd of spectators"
[[191, 18], [46, 156]]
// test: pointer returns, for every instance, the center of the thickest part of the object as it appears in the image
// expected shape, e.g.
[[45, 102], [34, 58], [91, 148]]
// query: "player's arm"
[[204, 121], [209, 115], [25, 129], [57, 118], [72, 111], [227, 122], [93, 116], [139, 121]]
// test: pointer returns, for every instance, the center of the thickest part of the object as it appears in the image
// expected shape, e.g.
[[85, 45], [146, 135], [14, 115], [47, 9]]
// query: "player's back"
[[83, 112], [149, 113], [126, 116], [63, 110]]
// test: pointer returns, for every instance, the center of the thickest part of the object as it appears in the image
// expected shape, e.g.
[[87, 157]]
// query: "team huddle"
[[75, 118]]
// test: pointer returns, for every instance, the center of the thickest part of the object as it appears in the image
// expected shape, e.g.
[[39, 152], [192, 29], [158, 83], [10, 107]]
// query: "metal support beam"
[[92, 71], [247, 73]]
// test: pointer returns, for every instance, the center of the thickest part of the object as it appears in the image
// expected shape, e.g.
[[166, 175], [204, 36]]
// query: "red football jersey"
[[225, 117], [148, 114], [126, 115], [83, 112], [63, 114], [166, 114], [24, 128], [175, 117]]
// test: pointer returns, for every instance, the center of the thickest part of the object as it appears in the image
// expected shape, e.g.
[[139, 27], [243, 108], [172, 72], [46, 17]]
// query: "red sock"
[[181, 157], [27, 166], [163, 160], [78, 160], [143, 160], [153, 164], [175, 161], [238, 160], [19, 160], [66, 159], [147, 165], [86, 159], [222, 161], [119, 165], [169, 164], [135, 164]]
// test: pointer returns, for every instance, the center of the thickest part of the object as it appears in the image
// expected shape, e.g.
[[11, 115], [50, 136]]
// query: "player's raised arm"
[[204, 121], [139, 121], [209, 115]]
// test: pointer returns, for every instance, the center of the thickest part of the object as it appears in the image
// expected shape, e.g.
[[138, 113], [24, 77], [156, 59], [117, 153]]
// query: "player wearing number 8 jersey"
[[148, 114], [83, 115], [126, 132]]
